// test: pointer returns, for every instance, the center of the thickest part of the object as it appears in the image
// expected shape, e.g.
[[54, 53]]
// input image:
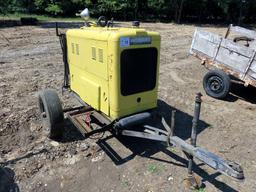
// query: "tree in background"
[[5, 6], [179, 10], [41, 5], [229, 11], [53, 9]]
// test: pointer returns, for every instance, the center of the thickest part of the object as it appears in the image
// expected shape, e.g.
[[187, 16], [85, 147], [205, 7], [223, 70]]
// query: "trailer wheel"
[[51, 113], [216, 84]]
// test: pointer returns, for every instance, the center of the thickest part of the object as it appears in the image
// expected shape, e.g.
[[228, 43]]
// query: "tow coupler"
[[122, 126]]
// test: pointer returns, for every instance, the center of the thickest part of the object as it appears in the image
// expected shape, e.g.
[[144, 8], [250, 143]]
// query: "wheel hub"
[[215, 84]]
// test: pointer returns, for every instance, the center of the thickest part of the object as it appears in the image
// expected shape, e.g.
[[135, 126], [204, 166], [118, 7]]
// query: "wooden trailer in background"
[[232, 55]]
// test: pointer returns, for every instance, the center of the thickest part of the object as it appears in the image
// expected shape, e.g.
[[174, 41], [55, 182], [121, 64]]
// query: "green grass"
[[173, 149], [125, 183], [17, 16], [200, 190], [152, 168], [210, 127]]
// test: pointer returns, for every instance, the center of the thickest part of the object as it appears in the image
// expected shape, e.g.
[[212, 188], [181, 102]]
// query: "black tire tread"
[[226, 81], [54, 112]]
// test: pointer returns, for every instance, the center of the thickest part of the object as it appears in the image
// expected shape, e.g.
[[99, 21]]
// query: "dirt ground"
[[31, 60]]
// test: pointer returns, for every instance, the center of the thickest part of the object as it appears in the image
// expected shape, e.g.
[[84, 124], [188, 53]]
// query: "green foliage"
[[206, 11], [152, 168], [41, 5], [200, 190], [53, 9], [5, 6]]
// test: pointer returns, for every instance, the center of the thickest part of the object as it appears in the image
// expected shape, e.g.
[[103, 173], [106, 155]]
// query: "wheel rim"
[[42, 109], [215, 84]]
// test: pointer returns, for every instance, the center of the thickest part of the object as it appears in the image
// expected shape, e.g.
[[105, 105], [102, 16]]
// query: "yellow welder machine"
[[113, 72]]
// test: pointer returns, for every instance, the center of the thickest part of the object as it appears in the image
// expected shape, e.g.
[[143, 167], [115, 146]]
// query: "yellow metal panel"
[[87, 89], [125, 105], [88, 71], [94, 60]]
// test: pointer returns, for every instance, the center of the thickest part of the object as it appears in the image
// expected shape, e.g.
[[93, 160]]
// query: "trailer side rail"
[[232, 58]]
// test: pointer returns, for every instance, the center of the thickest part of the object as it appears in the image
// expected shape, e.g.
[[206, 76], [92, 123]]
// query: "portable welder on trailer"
[[110, 76], [113, 72]]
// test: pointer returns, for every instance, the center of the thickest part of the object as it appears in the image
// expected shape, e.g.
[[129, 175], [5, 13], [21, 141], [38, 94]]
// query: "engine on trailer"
[[113, 69]]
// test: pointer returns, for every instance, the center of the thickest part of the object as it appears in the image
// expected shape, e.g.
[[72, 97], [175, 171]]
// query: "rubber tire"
[[51, 113], [222, 78]]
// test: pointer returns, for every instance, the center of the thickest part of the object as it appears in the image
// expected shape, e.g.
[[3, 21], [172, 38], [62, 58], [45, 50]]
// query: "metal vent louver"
[[77, 49], [100, 55], [93, 53], [73, 48]]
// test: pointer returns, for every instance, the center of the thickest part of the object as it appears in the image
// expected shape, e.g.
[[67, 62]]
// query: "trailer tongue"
[[124, 127], [226, 167]]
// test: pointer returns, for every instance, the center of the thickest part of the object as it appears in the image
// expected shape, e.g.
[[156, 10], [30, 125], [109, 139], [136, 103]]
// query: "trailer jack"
[[223, 166]]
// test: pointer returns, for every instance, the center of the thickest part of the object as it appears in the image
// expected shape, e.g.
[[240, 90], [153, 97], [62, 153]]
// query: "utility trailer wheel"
[[216, 84], [51, 113]]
